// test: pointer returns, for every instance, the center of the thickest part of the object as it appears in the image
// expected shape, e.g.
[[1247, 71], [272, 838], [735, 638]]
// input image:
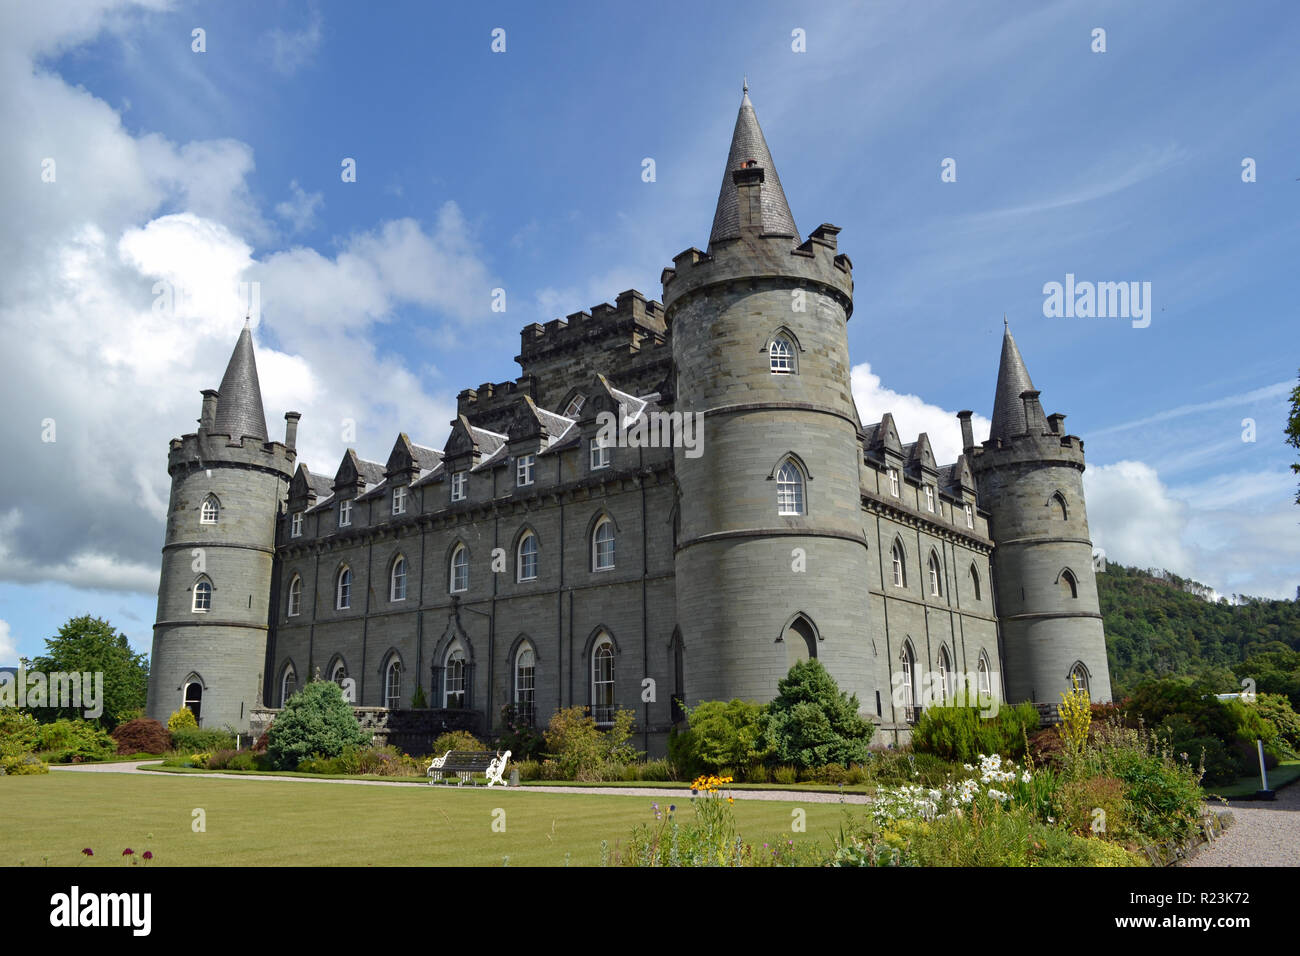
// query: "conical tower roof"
[[748, 147], [239, 400], [1013, 378]]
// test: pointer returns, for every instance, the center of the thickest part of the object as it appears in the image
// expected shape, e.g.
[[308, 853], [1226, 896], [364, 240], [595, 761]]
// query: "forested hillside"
[[1159, 625]]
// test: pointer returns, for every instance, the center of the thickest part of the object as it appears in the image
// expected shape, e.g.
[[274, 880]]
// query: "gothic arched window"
[[295, 596], [397, 580], [459, 569], [602, 680], [526, 558], [343, 589], [935, 575], [789, 489], [899, 562], [781, 355]]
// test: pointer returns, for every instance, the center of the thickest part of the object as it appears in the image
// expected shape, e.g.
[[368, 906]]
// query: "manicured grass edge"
[[1245, 788]]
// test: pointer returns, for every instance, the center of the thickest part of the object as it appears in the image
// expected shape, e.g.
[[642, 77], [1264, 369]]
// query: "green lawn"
[[1286, 772], [267, 823]]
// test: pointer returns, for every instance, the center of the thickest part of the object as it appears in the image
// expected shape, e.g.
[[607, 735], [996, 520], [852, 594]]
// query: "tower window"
[[1079, 677], [524, 468], [781, 356], [210, 511], [1069, 584], [458, 482], [399, 500], [193, 699], [1057, 504], [397, 580], [789, 489], [602, 546], [203, 596], [295, 596], [343, 590], [899, 559], [460, 569], [345, 513], [526, 560], [295, 525]]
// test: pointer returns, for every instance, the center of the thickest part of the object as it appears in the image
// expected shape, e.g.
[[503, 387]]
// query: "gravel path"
[[665, 794], [1262, 834]]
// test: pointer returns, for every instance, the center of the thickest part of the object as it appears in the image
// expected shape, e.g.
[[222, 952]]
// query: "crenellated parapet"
[[206, 449]]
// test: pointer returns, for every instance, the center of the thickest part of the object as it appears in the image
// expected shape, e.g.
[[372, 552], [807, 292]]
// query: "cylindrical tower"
[[1030, 479], [771, 554], [228, 482]]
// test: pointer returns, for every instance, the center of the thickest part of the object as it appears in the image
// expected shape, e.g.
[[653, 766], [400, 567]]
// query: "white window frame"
[[209, 511], [603, 685], [935, 575], [520, 576], [342, 590], [525, 466], [970, 516], [203, 587], [295, 525], [393, 684], [396, 577], [526, 684], [945, 675], [790, 497], [339, 672], [454, 676], [459, 482], [285, 675], [575, 405], [781, 356], [399, 500], [601, 455], [345, 513], [929, 499], [597, 542], [893, 483], [295, 596], [983, 678], [899, 557], [459, 563]]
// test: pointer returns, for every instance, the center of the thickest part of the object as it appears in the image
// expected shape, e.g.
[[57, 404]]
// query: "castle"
[[534, 561]]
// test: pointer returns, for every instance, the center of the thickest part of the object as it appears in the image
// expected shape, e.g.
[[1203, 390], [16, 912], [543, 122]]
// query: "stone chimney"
[[1035, 423], [967, 433], [209, 413], [291, 430]]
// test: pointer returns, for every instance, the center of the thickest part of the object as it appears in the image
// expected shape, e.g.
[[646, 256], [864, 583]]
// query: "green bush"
[[347, 762], [721, 734], [582, 751], [812, 722], [521, 738], [182, 719], [1222, 765], [196, 739], [528, 769], [1277, 710], [962, 734], [315, 721], [75, 741], [1162, 790], [21, 765], [19, 733], [785, 775], [456, 740]]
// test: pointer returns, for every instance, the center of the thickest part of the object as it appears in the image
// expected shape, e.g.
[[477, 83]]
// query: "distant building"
[[527, 563]]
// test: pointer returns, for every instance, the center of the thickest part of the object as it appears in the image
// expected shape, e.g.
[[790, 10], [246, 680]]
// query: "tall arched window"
[[339, 672], [983, 678], [459, 569], [900, 565], [935, 575], [602, 546], [943, 686], [288, 683], [454, 679], [210, 511], [397, 580], [1069, 584], [907, 661], [781, 355], [975, 580], [1057, 504], [789, 489], [295, 596], [1079, 676], [525, 684], [800, 639], [203, 596], [393, 684], [193, 699], [602, 680], [343, 589], [526, 559]]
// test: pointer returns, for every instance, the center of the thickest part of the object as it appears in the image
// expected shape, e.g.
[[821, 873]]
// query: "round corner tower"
[[228, 482], [1030, 480], [770, 552]]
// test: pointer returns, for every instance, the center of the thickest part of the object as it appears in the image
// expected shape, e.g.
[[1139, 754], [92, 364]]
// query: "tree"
[[812, 722], [90, 645], [316, 721], [1293, 430]]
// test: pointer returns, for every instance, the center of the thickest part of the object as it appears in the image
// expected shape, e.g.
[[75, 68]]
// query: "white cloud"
[[913, 415], [8, 646], [292, 49], [300, 210], [1134, 519]]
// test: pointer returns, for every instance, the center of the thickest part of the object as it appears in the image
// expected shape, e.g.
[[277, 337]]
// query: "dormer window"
[[600, 455], [524, 468], [295, 525], [458, 482], [575, 405], [345, 513], [929, 499], [781, 356], [399, 500], [893, 482]]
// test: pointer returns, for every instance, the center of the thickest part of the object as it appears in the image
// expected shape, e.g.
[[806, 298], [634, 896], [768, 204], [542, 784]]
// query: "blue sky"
[[523, 170]]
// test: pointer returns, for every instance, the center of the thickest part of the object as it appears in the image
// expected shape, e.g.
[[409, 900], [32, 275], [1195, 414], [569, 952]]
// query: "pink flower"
[[88, 851], [128, 852], [148, 854]]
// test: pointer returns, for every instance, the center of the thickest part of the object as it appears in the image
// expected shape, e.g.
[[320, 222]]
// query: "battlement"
[[207, 450], [816, 260], [492, 396], [1028, 449], [632, 314]]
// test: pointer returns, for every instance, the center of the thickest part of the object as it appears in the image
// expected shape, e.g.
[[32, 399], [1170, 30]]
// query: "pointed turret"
[[750, 162], [1013, 379], [239, 400]]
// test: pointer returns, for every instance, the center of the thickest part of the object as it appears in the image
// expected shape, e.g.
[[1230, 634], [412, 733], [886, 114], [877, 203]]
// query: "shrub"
[[1221, 764], [315, 721], [1277, 710], [521, 738], [581, 750], [1163, 792], [196, 739], [456, 740], [142, 736], [528, 769], [961, 734], [785, 775], [19, 733], [385, 761], [182, 719], [75, 741], [812, 722], [654, 770], [1078, 800], [347, 762], [721, 734], [21, 765]]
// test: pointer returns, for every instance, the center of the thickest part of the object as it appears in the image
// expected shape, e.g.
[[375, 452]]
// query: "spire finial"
[[247, 320], [745, 85], [1005, 323]]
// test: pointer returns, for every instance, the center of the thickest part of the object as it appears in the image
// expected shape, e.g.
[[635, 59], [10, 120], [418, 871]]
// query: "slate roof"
[[239, 399], [1013, 378], [747, 143]]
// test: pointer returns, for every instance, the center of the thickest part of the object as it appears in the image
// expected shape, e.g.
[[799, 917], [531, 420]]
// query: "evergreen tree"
[[812, 722], [88, 644], [1293, 439]]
